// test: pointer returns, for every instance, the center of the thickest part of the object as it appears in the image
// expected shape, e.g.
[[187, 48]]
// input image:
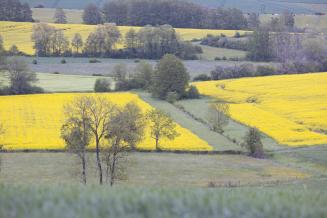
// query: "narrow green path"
[[234, 130], [219, 142]]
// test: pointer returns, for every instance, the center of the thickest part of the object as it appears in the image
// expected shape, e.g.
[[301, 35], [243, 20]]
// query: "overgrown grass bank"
[[94, 201]]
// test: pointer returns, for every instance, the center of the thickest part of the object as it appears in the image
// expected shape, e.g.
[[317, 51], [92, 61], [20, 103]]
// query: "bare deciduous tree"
[[76, 130], [99, 109], [60, 16], [162, 126], [125, 130], [77, 42], [217, 116]]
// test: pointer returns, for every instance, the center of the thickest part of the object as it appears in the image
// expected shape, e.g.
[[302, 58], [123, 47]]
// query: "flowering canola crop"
[[292, 109], [19, 33], [34, 122]]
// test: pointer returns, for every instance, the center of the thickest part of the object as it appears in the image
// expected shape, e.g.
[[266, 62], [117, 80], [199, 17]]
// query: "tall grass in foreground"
[[94, 201]]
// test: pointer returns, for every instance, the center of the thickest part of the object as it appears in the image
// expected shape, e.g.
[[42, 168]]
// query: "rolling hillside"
[[266, 6]]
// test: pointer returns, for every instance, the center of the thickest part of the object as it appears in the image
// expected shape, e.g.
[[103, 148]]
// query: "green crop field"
[[77, 201], [60, 83]]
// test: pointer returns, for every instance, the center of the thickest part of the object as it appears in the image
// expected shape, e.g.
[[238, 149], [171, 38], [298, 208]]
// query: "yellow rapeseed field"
[[19, 33], [34, 122], [292, 109]]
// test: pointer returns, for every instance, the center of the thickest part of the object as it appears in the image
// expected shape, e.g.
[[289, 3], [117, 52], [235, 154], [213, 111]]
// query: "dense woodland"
[[176, 13], [13, 10]]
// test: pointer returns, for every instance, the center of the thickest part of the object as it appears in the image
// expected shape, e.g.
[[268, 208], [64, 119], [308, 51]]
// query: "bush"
[[193, 93], [252, 142], [265, 71], [237, 35], [202, 77], [56, 72], [217, 58], [63, 61], [97, 74], [224, 58], [34, 61], [102, 85], [172, 97], [92, 61], [122, 85]]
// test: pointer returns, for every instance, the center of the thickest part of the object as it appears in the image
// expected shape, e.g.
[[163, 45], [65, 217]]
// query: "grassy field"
[[234, 131], [287, 185], [151, 170], [60, 82], [81, 66], [210, 53], [46, 15], [77, 201], [290, 108], [19, 33], [34, 121], [219, 142]]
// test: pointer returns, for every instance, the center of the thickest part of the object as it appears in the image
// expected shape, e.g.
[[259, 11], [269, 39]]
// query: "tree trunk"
[[157, 144], [112, 176], [84, 169], [98, 160]]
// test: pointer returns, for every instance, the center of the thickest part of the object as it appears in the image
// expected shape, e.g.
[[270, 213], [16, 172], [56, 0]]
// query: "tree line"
[[149, 42], [177, 13], [13, 10]]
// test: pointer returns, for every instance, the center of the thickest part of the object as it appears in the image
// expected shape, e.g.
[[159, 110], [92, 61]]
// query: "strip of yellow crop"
[[292, 109], [34, 121], [19, 33]]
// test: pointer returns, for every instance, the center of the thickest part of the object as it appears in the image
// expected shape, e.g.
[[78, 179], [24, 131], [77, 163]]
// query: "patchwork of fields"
[[34, 122], [19, 33], [292, 109]]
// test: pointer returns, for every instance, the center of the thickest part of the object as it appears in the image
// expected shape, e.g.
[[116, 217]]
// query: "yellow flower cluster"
[[19, 33], [292, 109], [34, 122]]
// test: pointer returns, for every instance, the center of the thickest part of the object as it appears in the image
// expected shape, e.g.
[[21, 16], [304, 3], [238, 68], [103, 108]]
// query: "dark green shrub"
[[265, 71], [172, 97], [193, 93], [202, 77], [102, 85], [63, 61], [252, 142], [93, 61]]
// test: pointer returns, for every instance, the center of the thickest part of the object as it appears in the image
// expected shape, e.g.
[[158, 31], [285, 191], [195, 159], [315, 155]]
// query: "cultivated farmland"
[[291, 109], [19, 34], [34, 122]]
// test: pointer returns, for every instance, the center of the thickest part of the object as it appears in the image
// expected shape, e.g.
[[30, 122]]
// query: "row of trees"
[[13, 10], [148, 42], [114, 130], [176, 13]]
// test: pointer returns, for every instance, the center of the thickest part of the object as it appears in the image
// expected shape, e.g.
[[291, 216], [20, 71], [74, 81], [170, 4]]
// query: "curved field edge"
[[19, 33], [32, 122], [289, 108]]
